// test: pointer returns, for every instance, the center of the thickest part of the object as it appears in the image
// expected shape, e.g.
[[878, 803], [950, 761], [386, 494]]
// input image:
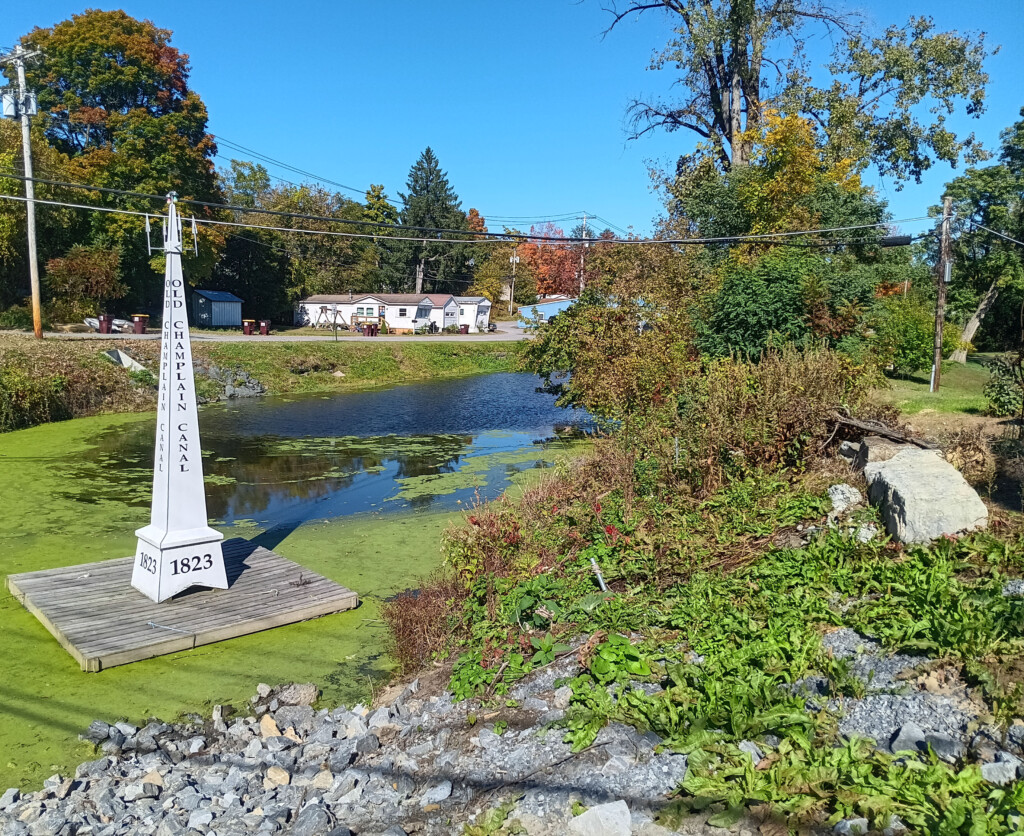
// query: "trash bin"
[[463, 329], [139, 323], [106, 322], [247, 325], [265, 327]]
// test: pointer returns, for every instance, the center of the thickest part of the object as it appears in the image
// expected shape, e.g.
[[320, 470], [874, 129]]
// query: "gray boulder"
[[874, 449], [298, 694], [922, 497], [844, 497], [603, 820], [1000, 773], [851, 827], [910, 737]]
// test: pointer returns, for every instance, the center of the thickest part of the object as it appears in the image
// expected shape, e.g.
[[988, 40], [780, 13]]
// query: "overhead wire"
[[286, 166], [436, 231], [1000, 234], [342, 234]]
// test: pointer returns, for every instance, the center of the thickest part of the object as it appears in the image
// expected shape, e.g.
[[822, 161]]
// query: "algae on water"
[[75, 492]]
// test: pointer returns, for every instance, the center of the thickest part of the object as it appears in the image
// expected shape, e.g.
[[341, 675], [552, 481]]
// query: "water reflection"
[[282, 460]]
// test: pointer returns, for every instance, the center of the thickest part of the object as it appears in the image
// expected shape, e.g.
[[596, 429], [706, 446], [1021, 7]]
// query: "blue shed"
[[542, 310], [216, 309]]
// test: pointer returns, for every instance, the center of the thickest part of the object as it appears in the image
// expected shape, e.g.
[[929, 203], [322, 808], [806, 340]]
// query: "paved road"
[[511, 335]]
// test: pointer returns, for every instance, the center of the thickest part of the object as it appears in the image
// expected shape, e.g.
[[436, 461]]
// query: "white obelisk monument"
[[178, 549]]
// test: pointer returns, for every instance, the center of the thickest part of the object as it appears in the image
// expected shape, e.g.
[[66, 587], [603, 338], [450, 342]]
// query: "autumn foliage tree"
[[553, 264], [885, 98], [114, 97], [83, 281]]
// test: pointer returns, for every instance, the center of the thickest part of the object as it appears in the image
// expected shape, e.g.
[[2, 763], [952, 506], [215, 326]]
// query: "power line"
[[1006, 237], [288, 166], [493, 240]]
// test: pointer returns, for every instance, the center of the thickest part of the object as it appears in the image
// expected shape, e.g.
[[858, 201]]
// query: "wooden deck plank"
[[102, 622], [133, 603], [224, 610], [215, 620]]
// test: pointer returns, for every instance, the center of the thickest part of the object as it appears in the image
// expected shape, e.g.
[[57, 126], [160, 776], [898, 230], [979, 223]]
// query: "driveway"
[[511, 335]]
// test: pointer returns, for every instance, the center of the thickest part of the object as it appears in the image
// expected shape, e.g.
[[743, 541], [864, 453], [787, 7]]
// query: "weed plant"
[[711, 629], [56, 382], [722, 627]]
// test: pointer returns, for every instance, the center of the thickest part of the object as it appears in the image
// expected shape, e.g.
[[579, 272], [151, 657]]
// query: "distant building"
[[474, 311], [402, 313], [543, 309], [444, 311], [216, 309]]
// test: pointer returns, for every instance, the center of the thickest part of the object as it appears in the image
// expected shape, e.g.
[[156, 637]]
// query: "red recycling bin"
[[247, 325], [463, 329], [139, 323], [265, 327], [106, 322]]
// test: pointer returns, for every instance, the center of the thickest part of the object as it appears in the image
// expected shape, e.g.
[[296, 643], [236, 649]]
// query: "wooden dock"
[[96, 615]]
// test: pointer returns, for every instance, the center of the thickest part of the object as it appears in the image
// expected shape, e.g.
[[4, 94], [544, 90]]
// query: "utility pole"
[[24, 106], [945, 269], [513, 260], [583, 249]]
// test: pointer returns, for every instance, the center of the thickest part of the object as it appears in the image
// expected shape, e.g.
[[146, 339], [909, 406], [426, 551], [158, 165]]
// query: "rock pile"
[[418, 765], [425, 764], [237, 383]]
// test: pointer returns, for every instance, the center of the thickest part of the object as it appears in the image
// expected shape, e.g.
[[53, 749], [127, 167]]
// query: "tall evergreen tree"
[[430, 263]]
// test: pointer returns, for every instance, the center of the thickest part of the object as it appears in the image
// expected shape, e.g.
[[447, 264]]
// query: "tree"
[[553, 264], [493, 275], [271, 269], [430, 205], [83, 281], [736, 58], [57, 228], [114, 97], [475, 221], [984, 264], [379, 210]]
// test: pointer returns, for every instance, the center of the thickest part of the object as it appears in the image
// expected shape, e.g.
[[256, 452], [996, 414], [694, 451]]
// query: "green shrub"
[[1005, 387], [905, 335], [27, 398], [758, 306], [51, 381], [17, 318]]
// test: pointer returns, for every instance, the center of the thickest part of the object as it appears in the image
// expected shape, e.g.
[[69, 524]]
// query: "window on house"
[[359, 311], [462, 311], [401, 312]]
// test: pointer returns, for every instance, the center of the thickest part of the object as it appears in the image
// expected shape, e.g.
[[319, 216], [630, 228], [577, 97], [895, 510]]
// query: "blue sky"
[[523, 102]]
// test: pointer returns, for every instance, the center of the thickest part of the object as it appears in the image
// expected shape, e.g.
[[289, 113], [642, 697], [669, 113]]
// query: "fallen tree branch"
[[885, 432]]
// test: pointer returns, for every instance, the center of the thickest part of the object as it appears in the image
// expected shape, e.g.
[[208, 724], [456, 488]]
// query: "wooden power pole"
[[945, 268], [22, 107]]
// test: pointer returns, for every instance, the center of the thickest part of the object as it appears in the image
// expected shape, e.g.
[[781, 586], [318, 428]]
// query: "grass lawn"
[[960, 390]]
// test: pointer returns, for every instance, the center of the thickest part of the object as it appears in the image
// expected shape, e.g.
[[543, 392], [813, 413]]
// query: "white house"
[[403, 313], [444, 310], [474, 311]]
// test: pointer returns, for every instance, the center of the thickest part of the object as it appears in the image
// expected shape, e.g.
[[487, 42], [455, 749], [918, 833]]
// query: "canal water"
[[358, 487], [275, 461]]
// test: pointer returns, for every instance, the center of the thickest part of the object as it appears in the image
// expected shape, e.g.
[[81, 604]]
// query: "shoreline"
[[61, 379]]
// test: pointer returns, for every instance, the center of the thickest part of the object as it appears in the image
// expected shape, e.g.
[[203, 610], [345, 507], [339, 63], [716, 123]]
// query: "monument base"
[[165, 567], [102, 622]]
